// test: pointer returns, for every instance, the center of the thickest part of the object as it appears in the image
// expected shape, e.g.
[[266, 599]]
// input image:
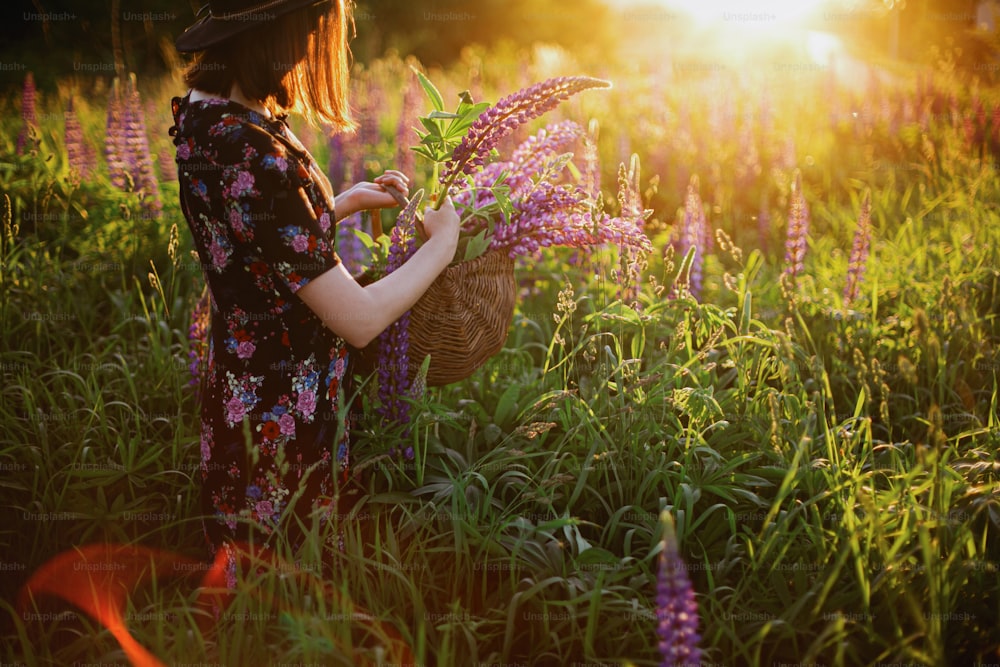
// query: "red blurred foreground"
[[98, 579]]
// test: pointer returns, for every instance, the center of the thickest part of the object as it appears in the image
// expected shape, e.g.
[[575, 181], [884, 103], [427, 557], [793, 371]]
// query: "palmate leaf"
[[467, 115], [477, 245]]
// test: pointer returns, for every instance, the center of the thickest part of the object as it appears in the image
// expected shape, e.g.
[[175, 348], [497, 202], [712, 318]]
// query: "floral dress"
[[261, 215]]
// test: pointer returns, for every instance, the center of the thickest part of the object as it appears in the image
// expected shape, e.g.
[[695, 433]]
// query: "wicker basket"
[[461, 320]]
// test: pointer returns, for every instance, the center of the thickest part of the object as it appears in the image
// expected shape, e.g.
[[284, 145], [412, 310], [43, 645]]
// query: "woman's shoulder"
[[229, 133]]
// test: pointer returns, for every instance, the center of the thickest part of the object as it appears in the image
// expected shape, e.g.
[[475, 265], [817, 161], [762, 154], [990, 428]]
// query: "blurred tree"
[[59, 38], [436, 31]]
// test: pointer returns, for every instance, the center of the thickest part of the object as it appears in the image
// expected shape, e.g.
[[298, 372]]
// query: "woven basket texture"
[[463, 318]]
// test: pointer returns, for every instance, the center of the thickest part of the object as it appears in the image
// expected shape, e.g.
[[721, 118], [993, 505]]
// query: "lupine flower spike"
[[501, 119], [28, 102], [77, 153], [114, 142], [394, 342], [676, 609], [859, 251], [137, 154], [693, 231], [798, 231]]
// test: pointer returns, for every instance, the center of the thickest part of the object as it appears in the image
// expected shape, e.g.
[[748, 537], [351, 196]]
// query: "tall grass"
[[832, 469]]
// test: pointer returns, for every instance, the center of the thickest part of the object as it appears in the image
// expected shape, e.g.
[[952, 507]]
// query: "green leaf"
[[507, 406], [477, 245], [467, 116], [442, 114], [365, 238], [433, 128], [431, 91]]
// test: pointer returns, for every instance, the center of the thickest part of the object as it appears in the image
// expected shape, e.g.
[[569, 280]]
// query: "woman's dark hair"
[[296, 62]]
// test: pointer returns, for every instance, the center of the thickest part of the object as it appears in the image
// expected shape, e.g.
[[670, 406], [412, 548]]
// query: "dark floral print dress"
[[261, 215]]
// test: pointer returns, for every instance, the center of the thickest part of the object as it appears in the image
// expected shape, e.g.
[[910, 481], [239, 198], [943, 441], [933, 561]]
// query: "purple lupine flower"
[[859, 251], [29, 98], [676, 609], [336, 166], [693, 230], [77, 153], [114, 141], [562, 214], [368, 96], [405, 158], [509, 113], [349, 247], [528, 163], [798, 231], [137, 154], [394, 342], [168, 163], [533, 156]]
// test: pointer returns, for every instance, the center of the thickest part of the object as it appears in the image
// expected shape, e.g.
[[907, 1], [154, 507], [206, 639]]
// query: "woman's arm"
[[359, 314], [365, 196]]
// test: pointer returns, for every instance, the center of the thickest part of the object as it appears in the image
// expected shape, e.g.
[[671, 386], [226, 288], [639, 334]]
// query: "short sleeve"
[[275, 211]]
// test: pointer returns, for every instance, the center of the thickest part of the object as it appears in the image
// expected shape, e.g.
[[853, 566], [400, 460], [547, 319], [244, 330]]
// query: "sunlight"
[[762, 15]]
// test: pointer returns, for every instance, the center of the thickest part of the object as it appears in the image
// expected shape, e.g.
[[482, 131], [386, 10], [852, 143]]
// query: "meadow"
[[811, 392]]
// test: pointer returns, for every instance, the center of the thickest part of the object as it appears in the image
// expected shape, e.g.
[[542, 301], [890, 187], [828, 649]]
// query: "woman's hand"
[[442, 225], [368, 195]]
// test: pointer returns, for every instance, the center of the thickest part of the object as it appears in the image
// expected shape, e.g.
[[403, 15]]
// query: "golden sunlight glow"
[[761, 15], [755, 34]]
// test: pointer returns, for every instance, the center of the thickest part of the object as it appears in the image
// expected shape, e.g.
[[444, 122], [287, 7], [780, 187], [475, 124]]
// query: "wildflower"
[[137, 156], [405, 158], [337, 167], [859, 251], [798, 230], [28, 103], [676, 609], [168, 164], [394, 342], [372, 101], [509, 113], [693, 233], [546, 213], [350, 249], [77, 151], [114, 142]]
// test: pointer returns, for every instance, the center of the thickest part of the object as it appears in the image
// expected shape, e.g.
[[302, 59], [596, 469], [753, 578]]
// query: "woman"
[[261, 214]]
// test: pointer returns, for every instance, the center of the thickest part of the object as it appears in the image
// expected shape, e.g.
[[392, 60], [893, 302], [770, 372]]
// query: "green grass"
[[832, 470]]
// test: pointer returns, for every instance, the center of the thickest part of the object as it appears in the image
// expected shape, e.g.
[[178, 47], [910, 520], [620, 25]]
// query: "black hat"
[[226, 18]]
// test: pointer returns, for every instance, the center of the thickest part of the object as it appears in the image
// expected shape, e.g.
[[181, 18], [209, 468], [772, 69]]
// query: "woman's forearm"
[[359, 314], [345, 205]]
